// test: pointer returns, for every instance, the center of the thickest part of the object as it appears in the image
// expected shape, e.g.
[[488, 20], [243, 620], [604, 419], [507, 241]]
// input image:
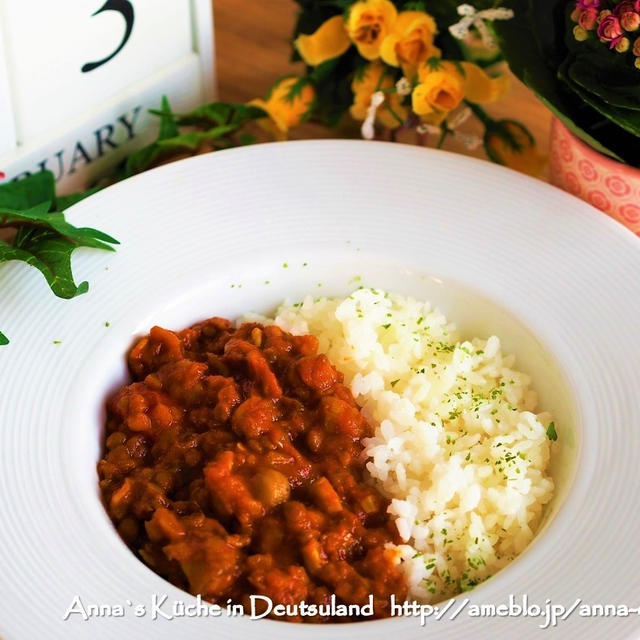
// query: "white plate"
[[497, 251]]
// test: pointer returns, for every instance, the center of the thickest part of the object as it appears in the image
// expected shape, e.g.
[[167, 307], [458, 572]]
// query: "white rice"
[[457, 448]]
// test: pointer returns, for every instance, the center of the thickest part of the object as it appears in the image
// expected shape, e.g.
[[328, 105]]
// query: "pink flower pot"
[[609, 185]]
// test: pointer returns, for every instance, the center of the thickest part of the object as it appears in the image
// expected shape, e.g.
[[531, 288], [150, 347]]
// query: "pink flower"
[[588, 4], [627, 13], [609, 30], [626, 6], [588, 19]]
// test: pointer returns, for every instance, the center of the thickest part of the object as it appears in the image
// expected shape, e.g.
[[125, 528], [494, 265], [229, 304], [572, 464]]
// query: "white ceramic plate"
[[498, 252]]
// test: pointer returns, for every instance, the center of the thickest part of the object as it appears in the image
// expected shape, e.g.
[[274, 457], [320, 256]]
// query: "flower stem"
[[443, 137], [393, 113], [480, 113]]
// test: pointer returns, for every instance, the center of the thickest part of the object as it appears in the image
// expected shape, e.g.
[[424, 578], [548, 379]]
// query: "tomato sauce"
[[233, 466]]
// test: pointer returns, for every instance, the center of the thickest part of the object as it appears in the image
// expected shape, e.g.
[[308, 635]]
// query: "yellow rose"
[[510, 144], [438, 93], [329, 41], [444, 85], [365, 85], [411, 42], [369, 22], [289, 102]]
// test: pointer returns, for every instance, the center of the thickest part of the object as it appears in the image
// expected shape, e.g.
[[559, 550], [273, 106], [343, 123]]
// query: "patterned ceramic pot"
[[607, 184]]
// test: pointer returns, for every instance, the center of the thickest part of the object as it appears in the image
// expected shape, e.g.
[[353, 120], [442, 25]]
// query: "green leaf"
[[191, 140], [3, 339], [217, 114], [218, 119], [168, 127], [51, 255], [551, 432], [614, 86], [46, 241], [140, 160], [38, 217], [29, 191], [626, 119], [414, 6]]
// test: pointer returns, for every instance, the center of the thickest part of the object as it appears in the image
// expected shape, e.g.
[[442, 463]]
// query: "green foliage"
[[214, 123], [44, 239], [420, 5], [332, 81], [594, 91]]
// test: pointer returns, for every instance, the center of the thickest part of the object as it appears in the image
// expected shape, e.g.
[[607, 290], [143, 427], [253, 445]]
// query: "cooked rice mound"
[[458, 446]]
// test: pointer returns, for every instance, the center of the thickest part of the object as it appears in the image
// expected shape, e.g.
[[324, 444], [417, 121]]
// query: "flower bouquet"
[[582, 58], [400, 66]]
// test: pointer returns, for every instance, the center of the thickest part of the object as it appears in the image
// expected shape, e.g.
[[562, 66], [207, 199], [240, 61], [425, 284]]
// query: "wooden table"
[[253, 48]]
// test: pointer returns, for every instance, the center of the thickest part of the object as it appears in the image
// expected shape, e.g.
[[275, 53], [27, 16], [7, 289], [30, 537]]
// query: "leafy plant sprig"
[[34, 214], [214, 126], [43, 238]]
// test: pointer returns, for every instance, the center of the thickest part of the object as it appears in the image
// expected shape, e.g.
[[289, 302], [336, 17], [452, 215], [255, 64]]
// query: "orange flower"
[[369, 22], [411, 42], [329, 41], [370, 80], [438, 93], [443, 85], [289, 101]]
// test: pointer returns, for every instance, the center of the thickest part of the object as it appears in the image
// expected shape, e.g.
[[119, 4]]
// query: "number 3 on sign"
[[126, 9]]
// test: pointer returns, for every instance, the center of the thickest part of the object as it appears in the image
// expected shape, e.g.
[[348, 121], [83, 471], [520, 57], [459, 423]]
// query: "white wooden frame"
[[193, 81], [7, 125], [204, 44]]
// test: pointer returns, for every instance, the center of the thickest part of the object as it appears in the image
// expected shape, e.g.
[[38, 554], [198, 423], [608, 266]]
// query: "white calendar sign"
[[77, 79]]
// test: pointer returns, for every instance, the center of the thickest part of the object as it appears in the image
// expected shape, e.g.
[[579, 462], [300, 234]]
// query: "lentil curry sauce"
[[233, 467]]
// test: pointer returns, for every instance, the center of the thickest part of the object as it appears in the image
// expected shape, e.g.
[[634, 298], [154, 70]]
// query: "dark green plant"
[[43, 238], [591, 86]]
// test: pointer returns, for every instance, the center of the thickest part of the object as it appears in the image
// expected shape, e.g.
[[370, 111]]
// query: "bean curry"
[[233, 466]]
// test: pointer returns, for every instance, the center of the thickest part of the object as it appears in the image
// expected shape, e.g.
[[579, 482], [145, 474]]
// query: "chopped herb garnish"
[[551, 432]]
